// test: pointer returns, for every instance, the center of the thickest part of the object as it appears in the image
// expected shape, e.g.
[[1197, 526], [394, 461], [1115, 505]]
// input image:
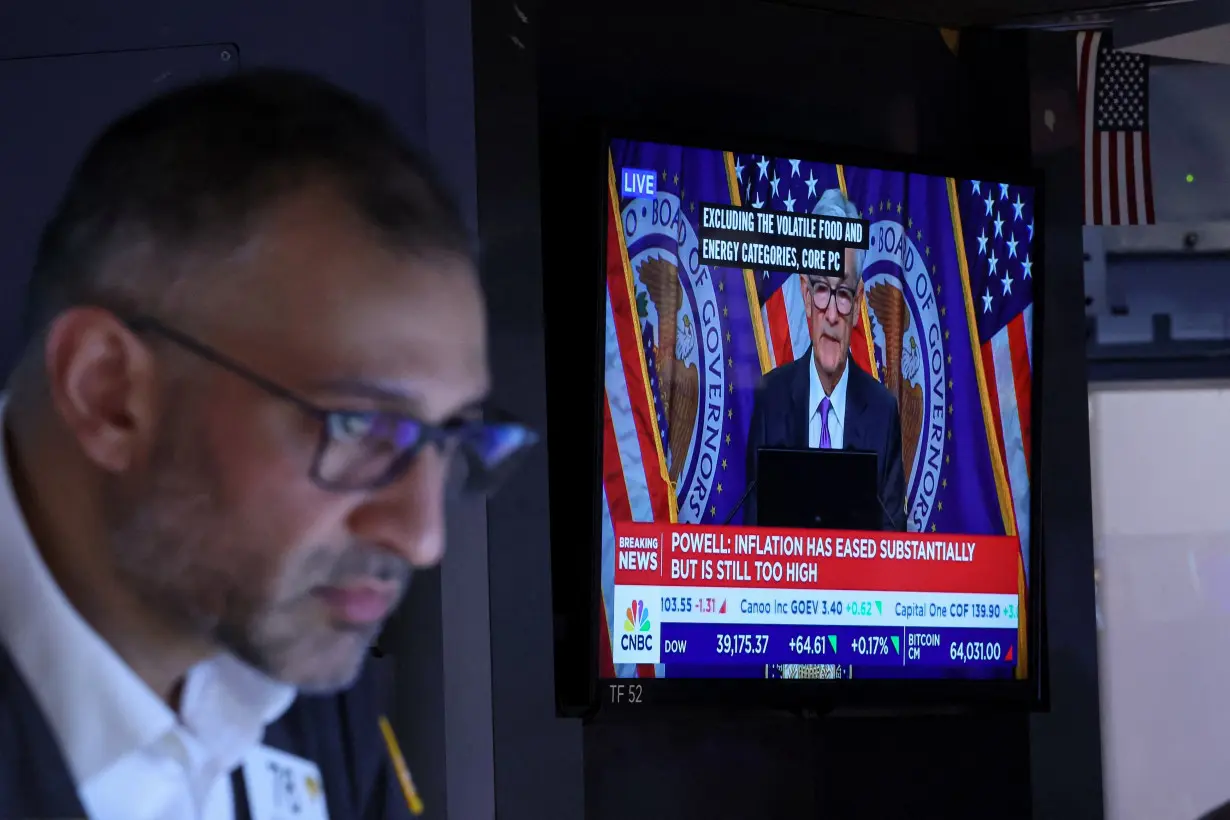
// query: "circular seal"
[[681, 318], [909, 349]]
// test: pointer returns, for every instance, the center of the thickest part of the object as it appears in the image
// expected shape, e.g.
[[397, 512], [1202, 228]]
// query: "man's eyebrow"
[[399, 398], [365, 389]]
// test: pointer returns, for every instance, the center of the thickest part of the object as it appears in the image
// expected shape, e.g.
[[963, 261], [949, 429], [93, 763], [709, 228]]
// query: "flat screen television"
[[812, 463]]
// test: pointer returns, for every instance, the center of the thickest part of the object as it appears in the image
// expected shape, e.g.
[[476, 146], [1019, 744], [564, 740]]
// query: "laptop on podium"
[[818, 489]]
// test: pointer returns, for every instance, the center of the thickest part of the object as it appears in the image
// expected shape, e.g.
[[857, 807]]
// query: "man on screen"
[[822, 399]]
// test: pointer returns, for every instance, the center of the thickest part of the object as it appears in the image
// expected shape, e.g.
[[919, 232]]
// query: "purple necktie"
[[825, 405]]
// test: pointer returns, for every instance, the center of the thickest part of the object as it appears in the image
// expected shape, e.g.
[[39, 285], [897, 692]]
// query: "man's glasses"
[[369, 449], [822, 293]]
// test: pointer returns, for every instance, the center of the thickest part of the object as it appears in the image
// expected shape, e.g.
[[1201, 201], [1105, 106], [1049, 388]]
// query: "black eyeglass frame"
[[814, 283], [440, 435]]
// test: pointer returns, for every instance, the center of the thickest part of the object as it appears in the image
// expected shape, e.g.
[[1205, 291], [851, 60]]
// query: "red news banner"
[[770, 558]]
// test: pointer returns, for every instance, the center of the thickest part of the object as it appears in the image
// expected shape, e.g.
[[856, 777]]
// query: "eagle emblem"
[[678, 379], [910, 357], [901, 365]]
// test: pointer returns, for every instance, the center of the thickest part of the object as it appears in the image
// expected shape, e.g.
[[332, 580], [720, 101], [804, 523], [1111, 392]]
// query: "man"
[[823, 400], [258, 357]]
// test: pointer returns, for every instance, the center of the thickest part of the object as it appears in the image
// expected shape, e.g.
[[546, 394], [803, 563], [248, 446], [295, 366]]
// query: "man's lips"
[[364, 603]]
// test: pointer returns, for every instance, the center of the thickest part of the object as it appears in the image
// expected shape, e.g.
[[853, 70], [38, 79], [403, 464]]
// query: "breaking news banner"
[[734, 595], [755, 238]]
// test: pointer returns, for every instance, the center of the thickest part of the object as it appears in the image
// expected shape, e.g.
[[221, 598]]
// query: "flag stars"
[[794, 167], [728, 439], [992, 261], [774, 183], [940, 506], [1027, 266], [1003, 190], [986, 300], [918, 236], [759, 203], [789, 202], [909, 223], [730, 414], [713, 512], [944, 483], [1012, 243], [719, 488], [738, 171], [898, 207], [1031, 230], [999, 225], [763, 165], [982, 242], [1018, 210], [989, 202], [975, 186], [723, 464], [676, 179], [1007, 283], [811, 183]]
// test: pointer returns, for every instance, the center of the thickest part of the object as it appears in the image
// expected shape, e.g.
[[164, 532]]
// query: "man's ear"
[[101, 380]]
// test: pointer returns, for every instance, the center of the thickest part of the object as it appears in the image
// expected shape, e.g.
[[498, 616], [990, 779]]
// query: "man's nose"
[[830, 312], [407, 516]]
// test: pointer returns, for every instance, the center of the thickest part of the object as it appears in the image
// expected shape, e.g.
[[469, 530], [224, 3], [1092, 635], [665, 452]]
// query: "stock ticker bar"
[[710, 595]]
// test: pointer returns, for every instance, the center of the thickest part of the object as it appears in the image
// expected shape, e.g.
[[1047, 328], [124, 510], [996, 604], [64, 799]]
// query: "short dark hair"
[[193, 167]]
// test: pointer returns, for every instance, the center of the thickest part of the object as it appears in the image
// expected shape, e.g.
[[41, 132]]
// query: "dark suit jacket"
[[340, 733], [781, 416]]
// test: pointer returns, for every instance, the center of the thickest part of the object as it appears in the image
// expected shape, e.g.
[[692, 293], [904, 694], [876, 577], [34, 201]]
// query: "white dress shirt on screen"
[[837, 411]]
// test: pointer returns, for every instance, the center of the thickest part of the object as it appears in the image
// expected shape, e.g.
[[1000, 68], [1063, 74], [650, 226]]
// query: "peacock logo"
[[636, 618]]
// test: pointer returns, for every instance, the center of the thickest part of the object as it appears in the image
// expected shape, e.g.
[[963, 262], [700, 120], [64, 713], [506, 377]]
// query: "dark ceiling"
[[961, 13]]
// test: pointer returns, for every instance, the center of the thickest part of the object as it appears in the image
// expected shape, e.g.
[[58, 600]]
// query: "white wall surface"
[[1161, 516]]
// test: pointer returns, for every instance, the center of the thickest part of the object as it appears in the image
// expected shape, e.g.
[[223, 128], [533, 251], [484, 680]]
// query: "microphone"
[[751, 485]]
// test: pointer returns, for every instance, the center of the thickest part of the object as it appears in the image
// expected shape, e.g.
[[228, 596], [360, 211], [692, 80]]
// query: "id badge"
[[282, 786]]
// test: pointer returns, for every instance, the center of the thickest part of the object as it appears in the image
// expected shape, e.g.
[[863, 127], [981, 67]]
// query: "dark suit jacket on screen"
[[781, 417], [340, 733]]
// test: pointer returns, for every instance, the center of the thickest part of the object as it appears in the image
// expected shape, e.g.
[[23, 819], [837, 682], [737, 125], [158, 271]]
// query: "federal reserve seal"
[[909, 351], [685, 349]]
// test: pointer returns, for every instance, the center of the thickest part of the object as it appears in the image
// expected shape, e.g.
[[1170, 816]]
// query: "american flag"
[[999, 221], [1113, 89]]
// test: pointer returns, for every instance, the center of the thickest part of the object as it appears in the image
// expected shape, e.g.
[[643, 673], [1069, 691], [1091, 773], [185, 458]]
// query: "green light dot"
[[1190, 178]]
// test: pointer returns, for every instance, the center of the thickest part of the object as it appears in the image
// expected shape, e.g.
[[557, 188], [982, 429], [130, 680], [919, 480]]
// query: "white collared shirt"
[[837, 410], [130, 755]]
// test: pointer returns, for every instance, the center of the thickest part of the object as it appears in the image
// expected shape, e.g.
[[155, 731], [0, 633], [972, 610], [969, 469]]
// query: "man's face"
[[219, 527], [830, 329]]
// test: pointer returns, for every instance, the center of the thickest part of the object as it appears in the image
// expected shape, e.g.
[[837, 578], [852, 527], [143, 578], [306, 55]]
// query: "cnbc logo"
[[636, 637]]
